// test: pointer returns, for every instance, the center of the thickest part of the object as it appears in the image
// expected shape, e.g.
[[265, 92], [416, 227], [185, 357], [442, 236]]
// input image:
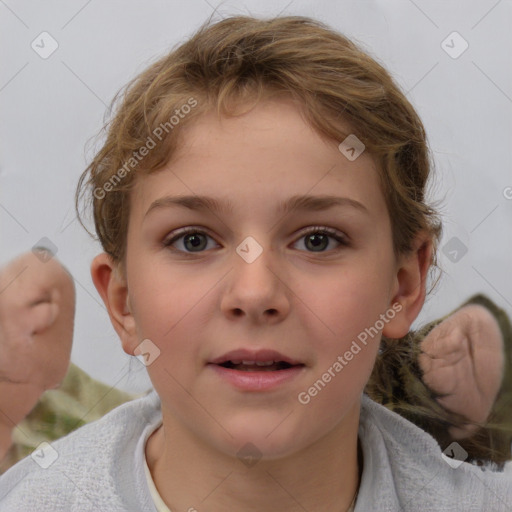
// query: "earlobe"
[[410, 287], [113, 289]]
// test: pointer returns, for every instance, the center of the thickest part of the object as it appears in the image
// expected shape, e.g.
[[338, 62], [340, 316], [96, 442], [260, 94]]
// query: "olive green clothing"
[[79, 400]]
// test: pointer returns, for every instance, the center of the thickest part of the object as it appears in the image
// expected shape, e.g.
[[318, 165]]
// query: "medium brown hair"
[[237, 62]]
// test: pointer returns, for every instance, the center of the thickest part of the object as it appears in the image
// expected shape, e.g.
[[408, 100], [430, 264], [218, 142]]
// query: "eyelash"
[[324, 230]]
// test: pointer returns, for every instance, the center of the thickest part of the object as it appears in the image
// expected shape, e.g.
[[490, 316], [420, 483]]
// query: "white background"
[[51, 107]]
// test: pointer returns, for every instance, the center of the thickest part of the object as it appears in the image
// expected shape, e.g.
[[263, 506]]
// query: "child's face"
[[307, 298]]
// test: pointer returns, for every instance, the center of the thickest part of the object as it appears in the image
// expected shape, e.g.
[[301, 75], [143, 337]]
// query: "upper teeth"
[[257, 363]]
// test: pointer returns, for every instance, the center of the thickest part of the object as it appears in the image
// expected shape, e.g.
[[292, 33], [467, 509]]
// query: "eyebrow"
[[300, 202]]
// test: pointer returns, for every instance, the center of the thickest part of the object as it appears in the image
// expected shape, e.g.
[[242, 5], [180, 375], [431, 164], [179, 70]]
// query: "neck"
[[189, 474]]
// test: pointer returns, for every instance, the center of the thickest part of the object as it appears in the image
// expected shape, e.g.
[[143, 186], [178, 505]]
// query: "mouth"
[[258, 366], [262, 370], [250, 360]]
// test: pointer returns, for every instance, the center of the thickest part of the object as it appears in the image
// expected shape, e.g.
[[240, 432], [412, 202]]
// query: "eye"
[[193, 239], [317, 238], [196, 240]]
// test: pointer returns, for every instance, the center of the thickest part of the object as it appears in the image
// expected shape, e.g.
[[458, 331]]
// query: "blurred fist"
[[464, 358], [37, 307]]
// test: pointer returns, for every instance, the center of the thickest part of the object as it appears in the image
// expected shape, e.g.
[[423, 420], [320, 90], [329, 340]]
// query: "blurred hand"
[[37, 306], [464, 357]]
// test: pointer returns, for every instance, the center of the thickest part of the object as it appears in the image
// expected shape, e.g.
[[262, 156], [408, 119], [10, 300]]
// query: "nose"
[[257, 289]]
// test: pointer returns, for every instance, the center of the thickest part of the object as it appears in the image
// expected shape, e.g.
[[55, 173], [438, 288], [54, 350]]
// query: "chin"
[[262, 440]]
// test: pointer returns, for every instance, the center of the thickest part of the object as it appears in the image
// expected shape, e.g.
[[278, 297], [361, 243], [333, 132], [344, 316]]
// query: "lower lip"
[[257, 381]]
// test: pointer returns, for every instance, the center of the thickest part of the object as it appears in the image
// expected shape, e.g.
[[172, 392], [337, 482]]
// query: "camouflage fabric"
[[79, 400]]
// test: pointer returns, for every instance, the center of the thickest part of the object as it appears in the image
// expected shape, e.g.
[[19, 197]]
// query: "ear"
[[410, 287], [113, 288]]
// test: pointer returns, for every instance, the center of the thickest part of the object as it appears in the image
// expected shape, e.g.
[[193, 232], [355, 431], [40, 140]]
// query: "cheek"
[[343, 368], [162, 300], [344, 305], [346, 330], [171, 311]]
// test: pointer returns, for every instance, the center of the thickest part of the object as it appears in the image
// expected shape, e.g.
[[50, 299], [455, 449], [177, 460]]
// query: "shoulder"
[[404, 466], [91, 469]]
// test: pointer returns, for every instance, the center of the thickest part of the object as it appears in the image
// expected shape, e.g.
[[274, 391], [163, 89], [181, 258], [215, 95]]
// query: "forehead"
[[261, 157], [273, 125]]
